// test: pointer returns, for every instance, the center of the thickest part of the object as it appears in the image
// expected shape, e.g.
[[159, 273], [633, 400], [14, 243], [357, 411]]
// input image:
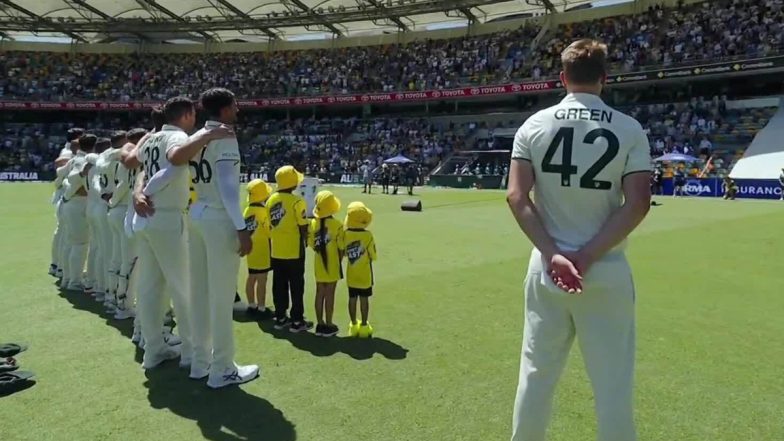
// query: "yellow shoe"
[[365, 331], [353, 329]]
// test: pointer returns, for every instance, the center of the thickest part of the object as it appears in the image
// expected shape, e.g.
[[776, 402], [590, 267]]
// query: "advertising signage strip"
[[726, 67], [400, 97], [326, 100]]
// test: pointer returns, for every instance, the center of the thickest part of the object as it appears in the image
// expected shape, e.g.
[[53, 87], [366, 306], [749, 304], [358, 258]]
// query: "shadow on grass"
[[84, 302], [358, 349], [228, 414]]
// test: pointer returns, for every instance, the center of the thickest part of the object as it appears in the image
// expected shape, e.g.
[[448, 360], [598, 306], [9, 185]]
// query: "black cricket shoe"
[[330, 331], [298, 327], [320, 330], [281, 323]]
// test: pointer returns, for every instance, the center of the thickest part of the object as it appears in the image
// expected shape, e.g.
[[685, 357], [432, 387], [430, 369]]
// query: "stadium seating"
[[339, 145], [700, 32]]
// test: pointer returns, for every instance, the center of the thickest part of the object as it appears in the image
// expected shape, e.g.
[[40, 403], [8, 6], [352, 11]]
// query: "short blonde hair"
[[585, 62]]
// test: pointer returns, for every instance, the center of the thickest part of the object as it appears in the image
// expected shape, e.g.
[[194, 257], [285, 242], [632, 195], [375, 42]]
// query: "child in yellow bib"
[[360, 253], [325, 237], [289, 236], [259, 259]]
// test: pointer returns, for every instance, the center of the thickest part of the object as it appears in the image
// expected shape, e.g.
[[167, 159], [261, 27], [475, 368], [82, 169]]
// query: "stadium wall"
[[633, 7]]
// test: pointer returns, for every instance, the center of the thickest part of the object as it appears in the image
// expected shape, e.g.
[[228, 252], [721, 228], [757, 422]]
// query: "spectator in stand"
[[706, 148]]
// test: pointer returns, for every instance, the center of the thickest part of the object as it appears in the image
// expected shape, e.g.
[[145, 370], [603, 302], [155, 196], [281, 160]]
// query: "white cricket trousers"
[[602, 318], [102, 244], [75, 214], [214, 268], [58, 240], [163, 266], [120, 263]]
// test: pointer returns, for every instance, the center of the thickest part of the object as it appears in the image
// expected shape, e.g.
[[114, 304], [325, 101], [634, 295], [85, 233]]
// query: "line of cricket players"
[[121, 205]]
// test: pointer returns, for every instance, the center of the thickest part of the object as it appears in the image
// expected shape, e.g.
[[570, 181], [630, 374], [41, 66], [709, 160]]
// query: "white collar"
[[211, 124], [585, 98], [171, 127]]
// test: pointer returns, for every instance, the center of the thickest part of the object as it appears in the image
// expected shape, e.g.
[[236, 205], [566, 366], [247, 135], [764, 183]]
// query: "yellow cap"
[[258, 190], [327, 204], [288, 177], [358, 216]]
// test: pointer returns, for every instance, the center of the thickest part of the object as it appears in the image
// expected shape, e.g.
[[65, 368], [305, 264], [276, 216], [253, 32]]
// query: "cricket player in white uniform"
[[100, 234], [58, 239], [163, 242], [219, 238], [75, 213], [129, 159], [108, 165], [122, 252], [589, 168]]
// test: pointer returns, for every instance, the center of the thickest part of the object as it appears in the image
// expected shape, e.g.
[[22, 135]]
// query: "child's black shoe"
[[330, 331], [281, 323], [297, 327]]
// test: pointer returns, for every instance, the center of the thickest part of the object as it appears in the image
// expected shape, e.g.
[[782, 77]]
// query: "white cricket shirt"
[[204, 165], [153, 156], [580, 150]]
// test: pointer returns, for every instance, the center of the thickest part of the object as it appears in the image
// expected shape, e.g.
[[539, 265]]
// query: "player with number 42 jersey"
[[580, 150]]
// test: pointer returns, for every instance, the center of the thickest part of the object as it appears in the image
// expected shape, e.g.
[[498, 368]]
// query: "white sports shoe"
[[172, 339], [124, 314], [137, 335], [155, 360], [52, 270], [141, 343], [236, 375], [185, 362], [98, 296], [75, 287], [199, 373]]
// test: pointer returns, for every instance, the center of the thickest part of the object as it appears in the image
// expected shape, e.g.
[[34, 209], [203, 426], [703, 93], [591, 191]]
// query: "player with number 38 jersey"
[[174, 193]]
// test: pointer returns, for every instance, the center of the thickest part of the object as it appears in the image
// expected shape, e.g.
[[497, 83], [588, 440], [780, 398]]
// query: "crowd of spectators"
[[698, 32], [340, 146], [682, 127], [664, 37], [316, 146]]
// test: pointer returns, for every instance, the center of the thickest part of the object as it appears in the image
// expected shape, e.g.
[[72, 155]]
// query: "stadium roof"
[[250, 20]]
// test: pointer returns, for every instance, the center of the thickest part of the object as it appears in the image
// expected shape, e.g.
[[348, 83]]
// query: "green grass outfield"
[[448, 319]]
